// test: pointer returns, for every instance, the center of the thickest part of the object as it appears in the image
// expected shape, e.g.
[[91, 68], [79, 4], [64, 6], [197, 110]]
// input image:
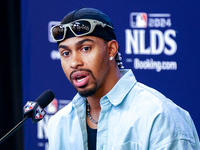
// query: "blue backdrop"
[[159, 41]]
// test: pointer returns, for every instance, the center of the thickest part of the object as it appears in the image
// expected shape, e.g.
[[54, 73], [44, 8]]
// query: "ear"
[[112, 48]]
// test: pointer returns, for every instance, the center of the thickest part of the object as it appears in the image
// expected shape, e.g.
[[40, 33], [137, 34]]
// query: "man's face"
[[85, 62]]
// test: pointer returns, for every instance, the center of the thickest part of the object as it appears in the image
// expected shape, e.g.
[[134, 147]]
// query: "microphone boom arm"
[[34, 110], [13, 129]]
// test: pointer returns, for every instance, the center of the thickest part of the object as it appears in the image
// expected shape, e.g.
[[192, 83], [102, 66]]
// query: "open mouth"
[[80, 78]]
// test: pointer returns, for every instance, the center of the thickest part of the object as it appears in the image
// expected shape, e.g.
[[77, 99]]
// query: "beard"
[[86, 91]]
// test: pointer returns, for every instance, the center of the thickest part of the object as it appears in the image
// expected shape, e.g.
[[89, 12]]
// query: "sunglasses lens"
[[58, 32], [81, 27]]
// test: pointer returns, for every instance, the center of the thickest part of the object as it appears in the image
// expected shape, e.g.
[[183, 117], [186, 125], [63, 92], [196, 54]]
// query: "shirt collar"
[[78, 100], [122, 87], [117, 93]]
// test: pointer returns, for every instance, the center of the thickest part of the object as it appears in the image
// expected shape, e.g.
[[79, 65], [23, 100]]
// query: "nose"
[[76, 61]]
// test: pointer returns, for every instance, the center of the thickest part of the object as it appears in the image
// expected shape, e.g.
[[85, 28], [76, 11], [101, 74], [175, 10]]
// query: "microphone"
[[34, 110]]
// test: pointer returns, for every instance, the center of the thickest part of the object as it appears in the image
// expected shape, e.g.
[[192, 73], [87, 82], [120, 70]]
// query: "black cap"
[[91, 13]]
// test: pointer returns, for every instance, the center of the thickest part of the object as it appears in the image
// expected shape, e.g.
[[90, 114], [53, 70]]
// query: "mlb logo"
[[50, 25], [138, 20]]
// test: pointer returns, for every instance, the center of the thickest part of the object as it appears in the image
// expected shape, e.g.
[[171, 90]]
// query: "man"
[[111, 111]]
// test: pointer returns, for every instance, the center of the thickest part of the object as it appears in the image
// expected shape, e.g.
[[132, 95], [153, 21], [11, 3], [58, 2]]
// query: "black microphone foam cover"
[[45, 98]]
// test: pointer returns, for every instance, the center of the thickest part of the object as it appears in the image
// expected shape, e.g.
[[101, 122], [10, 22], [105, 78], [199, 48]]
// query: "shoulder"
[[159, 103], [59, 122], [152, 98], [168, 119], [61, 114]]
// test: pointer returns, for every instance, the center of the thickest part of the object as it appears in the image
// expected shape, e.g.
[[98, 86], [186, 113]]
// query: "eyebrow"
[[63, 46], [84, 40], [78, 43]]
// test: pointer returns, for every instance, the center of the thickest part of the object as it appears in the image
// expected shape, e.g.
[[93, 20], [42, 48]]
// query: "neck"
[[109, 82], [94, 101]]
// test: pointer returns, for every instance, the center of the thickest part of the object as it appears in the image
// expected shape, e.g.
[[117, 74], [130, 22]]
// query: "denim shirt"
[[133, 117]]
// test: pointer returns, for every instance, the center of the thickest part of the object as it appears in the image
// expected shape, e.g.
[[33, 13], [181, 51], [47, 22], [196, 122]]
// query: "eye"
[[65, 53], [86, 48]]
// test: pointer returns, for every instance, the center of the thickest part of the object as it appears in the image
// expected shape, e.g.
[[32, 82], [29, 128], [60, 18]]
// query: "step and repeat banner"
[[159, 41]]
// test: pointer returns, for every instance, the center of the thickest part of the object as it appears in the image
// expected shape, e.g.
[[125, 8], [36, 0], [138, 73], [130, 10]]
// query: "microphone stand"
[[13, 129], [34, 110]]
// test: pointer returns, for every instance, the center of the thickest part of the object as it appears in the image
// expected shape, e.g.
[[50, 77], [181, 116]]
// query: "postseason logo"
[[39, 112], [29, 106], [150, 35], [156, 20]]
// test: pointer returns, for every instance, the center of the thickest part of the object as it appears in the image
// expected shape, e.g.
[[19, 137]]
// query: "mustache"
[[87, 70]]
